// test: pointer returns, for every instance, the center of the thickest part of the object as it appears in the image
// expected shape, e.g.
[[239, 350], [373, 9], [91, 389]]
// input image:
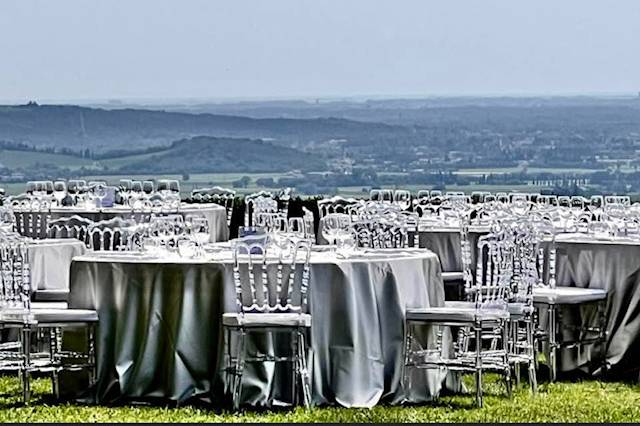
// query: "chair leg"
[[505, 348], [55, 384], [514, 351], [478, 330], [26, 367], [533, 380], [408, 341], [91, 354], [295, 371], [552, 343], [304, 371], [237, 386]]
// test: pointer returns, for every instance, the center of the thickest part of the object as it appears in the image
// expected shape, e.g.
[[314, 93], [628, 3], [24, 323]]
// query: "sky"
[[256, 49]]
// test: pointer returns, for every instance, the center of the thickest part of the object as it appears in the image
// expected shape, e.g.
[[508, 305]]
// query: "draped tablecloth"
[[160, 327], [50, 262], [443, 241], [216, 216], [614, 265]]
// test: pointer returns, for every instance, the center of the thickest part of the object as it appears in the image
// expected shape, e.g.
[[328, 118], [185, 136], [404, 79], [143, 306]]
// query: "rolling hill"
[[79, 128]]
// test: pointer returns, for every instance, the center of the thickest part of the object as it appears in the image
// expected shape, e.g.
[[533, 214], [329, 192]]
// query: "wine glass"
[[403, 199], [147, 187], [332, 224], [199, 228], [101, 192], [125, 185], [59, 191]]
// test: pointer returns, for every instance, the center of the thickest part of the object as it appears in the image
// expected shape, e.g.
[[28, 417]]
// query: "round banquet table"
[[614, 265], [216, 216], [160, 334]]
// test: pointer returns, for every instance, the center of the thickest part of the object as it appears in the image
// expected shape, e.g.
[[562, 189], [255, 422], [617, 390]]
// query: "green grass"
[[588, 401]]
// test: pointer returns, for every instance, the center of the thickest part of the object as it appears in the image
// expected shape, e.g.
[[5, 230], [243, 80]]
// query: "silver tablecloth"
[[614, 266], [160, 330], [50, 262], [444, 242], [216, 216]]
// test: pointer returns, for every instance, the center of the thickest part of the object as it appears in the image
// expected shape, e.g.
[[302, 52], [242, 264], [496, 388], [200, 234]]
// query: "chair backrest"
[[335, 204], [110, 235], [15, 275], [218, 195], [494, 270], [380, 233], [259, 202], [256, 289], [381, 195], [69, 227], [617, 199], [309, 223]]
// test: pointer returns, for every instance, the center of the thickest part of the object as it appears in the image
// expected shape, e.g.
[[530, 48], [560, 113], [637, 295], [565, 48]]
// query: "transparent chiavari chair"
[[218, 195], [564, 201], [549, 200], [335, 204], [259, 202], [69, 227], [17, 312], [553, 299], [264, 305], [488, 314], [502, 197], [109, 235], [381, 195], [617, 199]]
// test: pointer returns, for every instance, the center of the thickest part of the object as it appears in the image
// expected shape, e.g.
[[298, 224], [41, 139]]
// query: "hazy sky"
[[82, 49]]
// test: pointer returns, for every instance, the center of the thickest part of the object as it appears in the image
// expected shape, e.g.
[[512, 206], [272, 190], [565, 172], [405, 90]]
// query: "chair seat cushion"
[[567, 295], [515, 309], [452, 276], [48, 316], [49, 305], [450, 313], [50, 295], [293, 319]]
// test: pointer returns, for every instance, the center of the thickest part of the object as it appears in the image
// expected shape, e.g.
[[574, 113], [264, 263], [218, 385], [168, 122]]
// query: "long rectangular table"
[[160, 327]]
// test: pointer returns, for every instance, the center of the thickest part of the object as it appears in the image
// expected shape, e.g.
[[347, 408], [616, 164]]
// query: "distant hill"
[[223, 155], [80, 128]]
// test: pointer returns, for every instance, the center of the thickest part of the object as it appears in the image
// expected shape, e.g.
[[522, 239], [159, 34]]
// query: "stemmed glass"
[[59, 191], [333, 225], [403, 199], [147, 187], [199, 228], [125, 186], [101, 192]]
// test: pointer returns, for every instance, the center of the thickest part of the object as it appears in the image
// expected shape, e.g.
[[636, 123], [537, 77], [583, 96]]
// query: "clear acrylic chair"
[[547, 296], [264, 305], [17, 312], [486, 317]]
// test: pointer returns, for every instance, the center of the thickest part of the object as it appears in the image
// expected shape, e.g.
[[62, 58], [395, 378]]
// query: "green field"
[[587, 401], [505, 170], [20, 159]]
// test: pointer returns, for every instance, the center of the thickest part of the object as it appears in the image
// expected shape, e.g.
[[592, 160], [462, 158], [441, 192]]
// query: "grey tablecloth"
[[611, 265], [444, 242], [50, 262], [159, 333], [216, 216]]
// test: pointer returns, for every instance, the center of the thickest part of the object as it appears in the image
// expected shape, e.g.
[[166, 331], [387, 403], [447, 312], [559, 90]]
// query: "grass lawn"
[[588, 401]]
